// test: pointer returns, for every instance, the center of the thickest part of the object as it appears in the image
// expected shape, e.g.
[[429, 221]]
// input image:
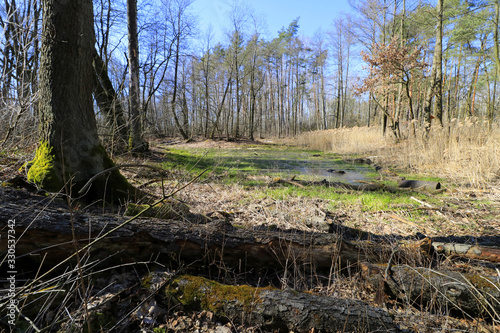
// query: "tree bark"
[[460, 293], [136, 142], [107, 99], [276, 310], [69, 151]]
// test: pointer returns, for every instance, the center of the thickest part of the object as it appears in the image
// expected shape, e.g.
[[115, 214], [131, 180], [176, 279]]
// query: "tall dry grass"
[[466, 152]]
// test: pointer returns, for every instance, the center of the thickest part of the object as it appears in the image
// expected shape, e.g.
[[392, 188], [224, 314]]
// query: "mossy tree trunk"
[[69, 151]]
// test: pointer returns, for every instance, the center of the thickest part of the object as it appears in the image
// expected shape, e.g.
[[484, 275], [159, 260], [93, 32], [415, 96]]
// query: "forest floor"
[[242, 178], [242, 181], [256, 184]]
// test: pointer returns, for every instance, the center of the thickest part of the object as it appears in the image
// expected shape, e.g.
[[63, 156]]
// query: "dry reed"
[[465, 152]]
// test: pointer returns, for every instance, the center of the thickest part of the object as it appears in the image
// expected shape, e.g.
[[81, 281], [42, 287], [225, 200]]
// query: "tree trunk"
[[237, 82], [107, 99], [136, 142], [206, 77], [471, 95], [435, 88], [276, 310], [220, 108], [69, 151], [173, 102], [496, 56]]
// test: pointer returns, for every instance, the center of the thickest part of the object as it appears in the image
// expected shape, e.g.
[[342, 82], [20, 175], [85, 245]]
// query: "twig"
[[389, 264], [89, 182], [133, 218], [427, 205]]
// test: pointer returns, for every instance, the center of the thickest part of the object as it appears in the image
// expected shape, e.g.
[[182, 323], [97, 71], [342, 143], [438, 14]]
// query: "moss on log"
[[277, 310]]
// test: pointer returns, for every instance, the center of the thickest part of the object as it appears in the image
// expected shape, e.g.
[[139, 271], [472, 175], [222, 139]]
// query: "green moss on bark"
[[43, 169], [199, 293], [46, 171]]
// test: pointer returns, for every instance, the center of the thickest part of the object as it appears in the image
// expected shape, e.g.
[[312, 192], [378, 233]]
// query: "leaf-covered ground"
[[241, 183], [240, 179]]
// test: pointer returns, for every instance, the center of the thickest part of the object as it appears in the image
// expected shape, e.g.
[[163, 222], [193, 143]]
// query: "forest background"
[[411, 83], [245, 85]]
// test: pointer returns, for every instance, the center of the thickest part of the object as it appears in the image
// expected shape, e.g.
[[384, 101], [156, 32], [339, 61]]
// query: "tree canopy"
[[248, 84]]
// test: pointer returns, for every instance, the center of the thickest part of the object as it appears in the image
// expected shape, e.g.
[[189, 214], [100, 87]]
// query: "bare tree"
[[239, 16], [19, 62], [435, 87], [137, 143], [181, 27], [105, 94]]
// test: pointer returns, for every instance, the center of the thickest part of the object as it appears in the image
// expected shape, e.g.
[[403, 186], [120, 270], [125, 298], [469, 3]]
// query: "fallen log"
[[438, 291], [471, 251], [347, 186], [276, 310], [45, 229], [416, 184]]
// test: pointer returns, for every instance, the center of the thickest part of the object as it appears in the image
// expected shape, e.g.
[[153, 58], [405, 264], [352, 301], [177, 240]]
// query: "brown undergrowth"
[[466, 152], [461, 211]]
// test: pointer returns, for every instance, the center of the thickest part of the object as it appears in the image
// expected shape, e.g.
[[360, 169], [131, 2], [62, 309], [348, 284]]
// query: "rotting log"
[[347, 186], [453, 249], [405, 184], [416, 184], [45, 227], [471, 251], [277, 310], [461, 294]]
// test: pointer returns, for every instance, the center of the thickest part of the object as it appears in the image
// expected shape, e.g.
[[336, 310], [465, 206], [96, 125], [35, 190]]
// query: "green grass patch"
[[273, 161], [368, 201], [235, 165]]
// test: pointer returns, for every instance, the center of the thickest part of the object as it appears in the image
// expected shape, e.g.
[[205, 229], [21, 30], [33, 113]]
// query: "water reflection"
[[334, 175]]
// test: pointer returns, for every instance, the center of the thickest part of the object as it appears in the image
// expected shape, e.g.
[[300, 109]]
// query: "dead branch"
[[463, 294]]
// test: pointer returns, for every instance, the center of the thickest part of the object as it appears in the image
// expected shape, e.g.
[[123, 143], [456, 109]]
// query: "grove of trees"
[[388, 62], [84, 79]]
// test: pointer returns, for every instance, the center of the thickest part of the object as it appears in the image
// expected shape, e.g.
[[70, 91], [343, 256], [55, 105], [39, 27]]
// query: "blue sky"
[[314, 14]]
